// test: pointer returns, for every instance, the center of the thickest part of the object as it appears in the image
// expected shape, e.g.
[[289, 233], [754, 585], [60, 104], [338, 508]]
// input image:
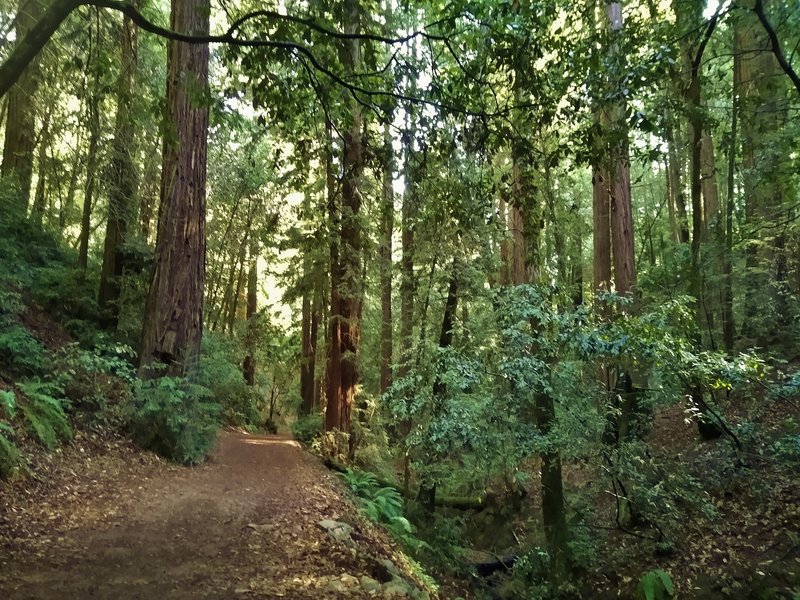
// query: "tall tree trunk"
[[249, 364], [93, 117], [386, 265], [728, 323], [19, 141], [427, 493], [765, 169], [525, 219], [346, 317], [173, 321], [122, 180]]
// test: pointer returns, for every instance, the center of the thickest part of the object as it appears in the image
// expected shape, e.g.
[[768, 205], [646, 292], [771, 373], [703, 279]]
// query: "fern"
[[44, 414], [10, 458], [383, 505]]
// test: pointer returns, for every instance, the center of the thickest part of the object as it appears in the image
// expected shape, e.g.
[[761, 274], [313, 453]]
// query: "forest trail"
[[243, 525]]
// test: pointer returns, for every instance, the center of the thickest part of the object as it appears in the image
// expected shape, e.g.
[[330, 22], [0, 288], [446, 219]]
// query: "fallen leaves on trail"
[[119, 523]]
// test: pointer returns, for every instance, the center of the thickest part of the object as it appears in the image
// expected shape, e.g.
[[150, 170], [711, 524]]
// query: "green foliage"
[[93, 379], [383, 505], [306, 428], [8, 402], [655, 585], [221, 373], [175, 418], [43, 409], [20, 352], [787, 449]]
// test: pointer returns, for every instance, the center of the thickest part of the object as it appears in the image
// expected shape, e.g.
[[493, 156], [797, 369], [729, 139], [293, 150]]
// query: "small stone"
[[396, 588], [370, 585], [348, 580]]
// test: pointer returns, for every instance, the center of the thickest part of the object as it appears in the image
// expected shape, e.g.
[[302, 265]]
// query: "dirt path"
[[244, 525]]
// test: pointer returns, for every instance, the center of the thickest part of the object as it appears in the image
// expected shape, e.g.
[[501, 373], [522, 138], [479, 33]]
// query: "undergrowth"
[[175, 418]]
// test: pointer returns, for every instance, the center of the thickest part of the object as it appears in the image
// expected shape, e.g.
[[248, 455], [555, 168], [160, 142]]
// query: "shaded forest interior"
[[527, 275]]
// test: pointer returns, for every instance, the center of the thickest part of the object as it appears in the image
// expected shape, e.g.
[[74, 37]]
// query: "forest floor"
[[101, 520]]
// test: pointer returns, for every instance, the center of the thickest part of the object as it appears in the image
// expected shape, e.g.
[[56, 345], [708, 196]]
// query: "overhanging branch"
[[758, 8]]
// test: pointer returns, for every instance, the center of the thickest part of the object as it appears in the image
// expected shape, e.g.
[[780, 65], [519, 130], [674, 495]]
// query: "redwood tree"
[[346, 277], [173, 321]]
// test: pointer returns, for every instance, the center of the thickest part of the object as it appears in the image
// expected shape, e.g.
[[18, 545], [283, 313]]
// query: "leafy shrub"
[[173, 417], [44, 413], [92, 378], [655, 585], [307, 427]]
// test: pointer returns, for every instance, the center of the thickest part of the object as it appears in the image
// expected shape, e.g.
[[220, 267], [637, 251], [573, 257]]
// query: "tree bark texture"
[[173, 321]]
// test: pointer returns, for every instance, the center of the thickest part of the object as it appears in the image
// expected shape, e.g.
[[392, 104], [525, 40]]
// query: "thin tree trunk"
[[386, 265], [122, 180], [39, 197], [728, 323], [249, 364], [93, 118]]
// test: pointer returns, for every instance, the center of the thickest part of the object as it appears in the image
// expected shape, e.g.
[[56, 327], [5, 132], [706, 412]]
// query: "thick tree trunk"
[[346, 303], [20, 125], [122, 179], [173, 321]]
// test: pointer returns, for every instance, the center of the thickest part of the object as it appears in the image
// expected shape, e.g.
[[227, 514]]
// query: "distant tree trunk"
[[428, 489], [728, 323], [386, 265], [346, 304], [233, 308], [678, 198], [765, 168], [249, 365], [147, 194], [173, 321], [601, 218], [122, 180], [20, 125], [93, 118], [39, 197], [524, 220]]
